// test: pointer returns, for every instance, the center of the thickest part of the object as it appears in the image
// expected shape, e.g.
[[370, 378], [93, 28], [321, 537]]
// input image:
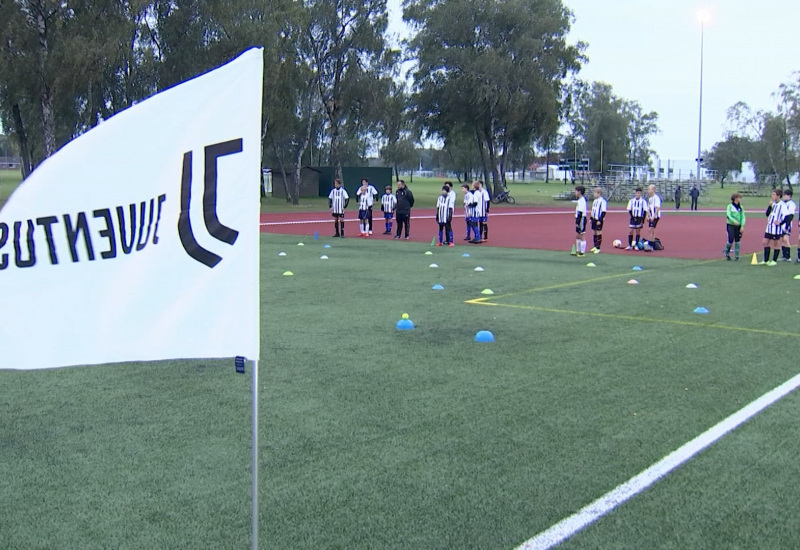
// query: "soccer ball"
[[617, 243]]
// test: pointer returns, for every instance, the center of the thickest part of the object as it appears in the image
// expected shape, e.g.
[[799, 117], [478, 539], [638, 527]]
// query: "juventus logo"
[[213, 225]]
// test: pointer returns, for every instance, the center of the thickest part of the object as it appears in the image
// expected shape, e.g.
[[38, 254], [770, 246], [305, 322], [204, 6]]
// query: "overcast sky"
[[649, 51]]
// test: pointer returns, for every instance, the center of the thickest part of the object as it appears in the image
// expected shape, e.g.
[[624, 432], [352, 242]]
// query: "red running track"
[[699, 235]]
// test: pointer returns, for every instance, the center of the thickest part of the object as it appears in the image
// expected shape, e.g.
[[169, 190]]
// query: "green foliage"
[[727, 157], [607, 128], [493, 69]]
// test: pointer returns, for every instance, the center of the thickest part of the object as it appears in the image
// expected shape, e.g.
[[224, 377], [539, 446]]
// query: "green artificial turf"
[[378, 438]]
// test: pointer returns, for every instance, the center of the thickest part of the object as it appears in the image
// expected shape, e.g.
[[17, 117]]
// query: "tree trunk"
[[22, 139], [493, 161], [547, 166], [46, 97], [286, 187], [479, 142], [334, 151]]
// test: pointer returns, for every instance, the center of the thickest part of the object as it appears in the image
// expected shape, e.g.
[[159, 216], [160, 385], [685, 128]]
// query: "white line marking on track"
[[491, 215], [566, 528]]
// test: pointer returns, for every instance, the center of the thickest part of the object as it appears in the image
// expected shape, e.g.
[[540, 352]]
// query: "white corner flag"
[[139, 239]]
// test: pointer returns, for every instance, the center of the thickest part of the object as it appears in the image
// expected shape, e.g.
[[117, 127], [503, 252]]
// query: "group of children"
[[780, 214], [476, 210], [391, 205], [640, 210]]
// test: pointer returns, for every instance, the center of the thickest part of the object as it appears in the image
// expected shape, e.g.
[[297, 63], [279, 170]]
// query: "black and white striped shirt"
[[775, 215], [443, 209], [654, 206], [337, 200], [364, 199], [388, 203], [479, 203], [580, 209], [468, 201], [637, 207], [599, 208]]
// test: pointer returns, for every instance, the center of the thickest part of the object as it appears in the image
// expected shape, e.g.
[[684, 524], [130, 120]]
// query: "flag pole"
[[254, 464]]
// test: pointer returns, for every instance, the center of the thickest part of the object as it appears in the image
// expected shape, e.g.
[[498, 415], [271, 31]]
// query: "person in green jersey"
[[735, 220]]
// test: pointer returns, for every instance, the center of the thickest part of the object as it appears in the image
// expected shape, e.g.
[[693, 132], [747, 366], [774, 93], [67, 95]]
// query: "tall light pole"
[[703, 16]]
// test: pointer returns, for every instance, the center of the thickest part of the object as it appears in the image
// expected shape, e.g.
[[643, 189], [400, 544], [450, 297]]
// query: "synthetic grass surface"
[[374, 438]]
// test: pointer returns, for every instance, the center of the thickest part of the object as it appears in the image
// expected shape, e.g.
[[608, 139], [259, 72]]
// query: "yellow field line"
[[632, 318]]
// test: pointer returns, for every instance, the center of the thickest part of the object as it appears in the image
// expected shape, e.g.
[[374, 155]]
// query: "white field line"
[[432, 216], [564, 529]]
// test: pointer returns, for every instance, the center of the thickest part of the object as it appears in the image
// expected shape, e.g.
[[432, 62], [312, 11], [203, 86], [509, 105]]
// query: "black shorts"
[[597, 225], [363, 214], [340, 215], [580, 226], [653, 222], [772, 237], [637, 223], [734, 233]]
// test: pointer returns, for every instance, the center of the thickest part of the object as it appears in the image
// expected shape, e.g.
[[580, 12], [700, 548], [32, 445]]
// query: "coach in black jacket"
[[405, 200]]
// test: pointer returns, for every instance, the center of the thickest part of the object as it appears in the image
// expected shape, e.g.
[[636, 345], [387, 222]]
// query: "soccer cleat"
[[370, 232], [387, 232], [406, 237], [728, 258], [580, 254], [762, 263], [397, 236], [573, 253], [594, 250], [438, 244], [772, 263], [467, 239], [628, 248], [451, 245], [736, 259]]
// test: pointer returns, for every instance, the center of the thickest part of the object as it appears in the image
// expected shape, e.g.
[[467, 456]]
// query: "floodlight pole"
[[254, 464], [700, 122]]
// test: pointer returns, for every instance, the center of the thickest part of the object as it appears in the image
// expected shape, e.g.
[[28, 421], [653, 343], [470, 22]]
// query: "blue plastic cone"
[[438, 287], [484, 336], [405, 324], [638, 268], [701, 310], [465, 255], [326, 246]]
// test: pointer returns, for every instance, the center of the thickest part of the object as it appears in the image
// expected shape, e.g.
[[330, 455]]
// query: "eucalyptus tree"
[[495, 67]]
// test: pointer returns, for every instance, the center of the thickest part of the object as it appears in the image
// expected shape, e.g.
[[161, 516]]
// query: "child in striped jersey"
[[364, 207], [774, 230], [789, 210], [580, 221], [599, 209], [337, 202], [467, 209], [478, 212], [388, 204], [444, 217], [637, 208], [451, 198]]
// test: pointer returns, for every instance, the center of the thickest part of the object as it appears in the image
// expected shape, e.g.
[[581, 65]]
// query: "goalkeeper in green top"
[[735, 220]]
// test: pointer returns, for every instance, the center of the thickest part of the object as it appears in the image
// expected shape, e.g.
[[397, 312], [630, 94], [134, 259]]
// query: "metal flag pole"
[[254, 465]]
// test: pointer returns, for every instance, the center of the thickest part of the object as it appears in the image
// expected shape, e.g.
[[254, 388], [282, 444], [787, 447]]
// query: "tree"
[[641, 126], [344, 45], [496, 68], [727, 157]]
